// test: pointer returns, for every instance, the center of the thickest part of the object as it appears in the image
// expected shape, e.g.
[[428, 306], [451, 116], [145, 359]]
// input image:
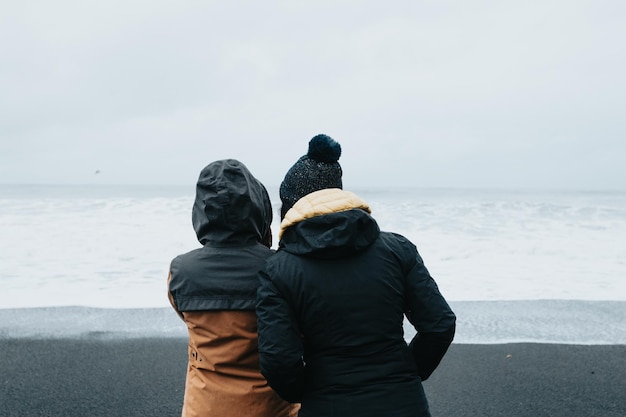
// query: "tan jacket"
[[213, 289], [223, 377]]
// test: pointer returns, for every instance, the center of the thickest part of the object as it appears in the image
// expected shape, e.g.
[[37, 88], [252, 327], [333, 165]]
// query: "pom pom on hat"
[[317, 170], [324, 149]]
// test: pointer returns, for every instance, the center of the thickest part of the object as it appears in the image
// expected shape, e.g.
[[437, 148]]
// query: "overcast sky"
[[418, 93]]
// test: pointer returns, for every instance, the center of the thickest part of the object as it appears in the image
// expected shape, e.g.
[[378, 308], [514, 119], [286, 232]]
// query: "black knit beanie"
[[316, 170]]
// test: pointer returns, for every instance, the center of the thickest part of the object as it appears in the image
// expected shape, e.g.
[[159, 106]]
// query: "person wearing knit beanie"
[[333, 299], [317, 170]]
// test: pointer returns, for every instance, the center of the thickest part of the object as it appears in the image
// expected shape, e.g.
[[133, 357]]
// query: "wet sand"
[[99, 376]]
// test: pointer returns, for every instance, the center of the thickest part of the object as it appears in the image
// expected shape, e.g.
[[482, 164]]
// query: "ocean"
[[515, 265]]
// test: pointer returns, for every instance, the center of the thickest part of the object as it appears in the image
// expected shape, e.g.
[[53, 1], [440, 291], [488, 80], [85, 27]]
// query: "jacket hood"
[[231, 206], [329, 223]]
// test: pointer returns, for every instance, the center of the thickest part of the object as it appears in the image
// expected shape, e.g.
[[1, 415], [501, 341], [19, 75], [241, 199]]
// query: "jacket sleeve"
[[280, 344], [171, 297], [431, 316]]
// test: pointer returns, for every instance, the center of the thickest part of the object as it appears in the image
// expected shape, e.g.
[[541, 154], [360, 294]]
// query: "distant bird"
[[97, 172]]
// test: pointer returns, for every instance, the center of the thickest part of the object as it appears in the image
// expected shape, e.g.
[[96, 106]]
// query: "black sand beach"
[[98, 376]]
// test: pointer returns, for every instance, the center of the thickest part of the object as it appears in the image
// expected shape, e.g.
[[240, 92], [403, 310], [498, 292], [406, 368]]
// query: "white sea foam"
[[515, 246], [110, 247]]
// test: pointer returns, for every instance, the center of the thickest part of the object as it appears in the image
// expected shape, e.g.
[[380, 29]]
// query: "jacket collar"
[[318, 203]]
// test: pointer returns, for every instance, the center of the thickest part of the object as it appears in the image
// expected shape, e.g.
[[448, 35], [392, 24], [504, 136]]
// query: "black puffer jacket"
[[330, 308]]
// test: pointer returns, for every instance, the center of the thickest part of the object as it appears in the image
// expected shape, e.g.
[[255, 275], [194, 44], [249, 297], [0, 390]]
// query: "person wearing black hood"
[[213, 289], [332, 301]]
